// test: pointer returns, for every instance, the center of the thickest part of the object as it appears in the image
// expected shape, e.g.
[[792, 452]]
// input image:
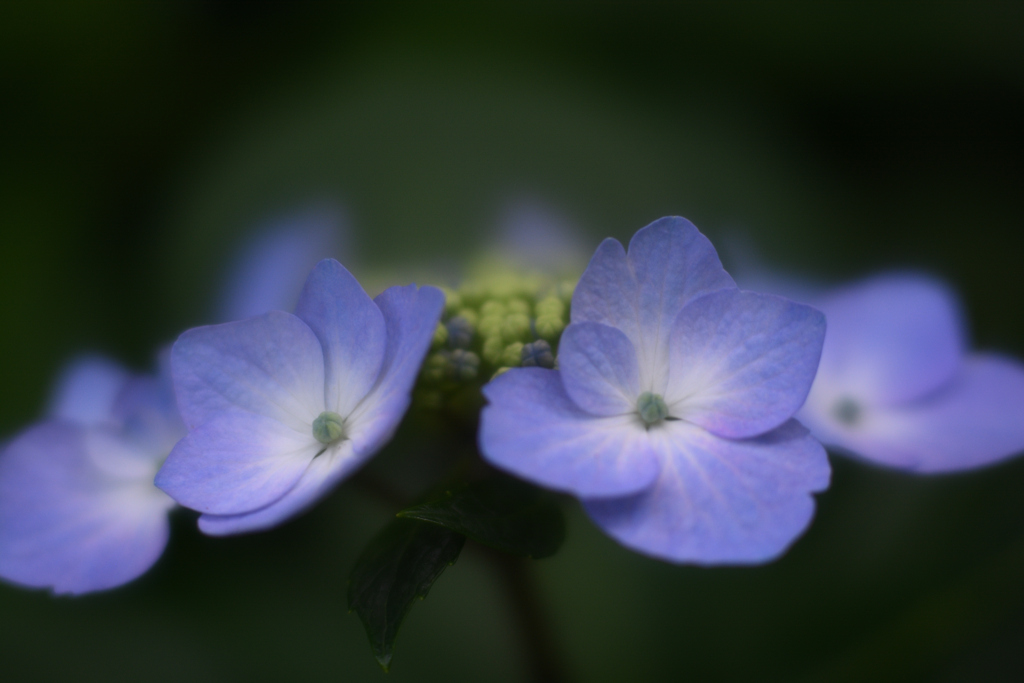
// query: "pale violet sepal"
[[599, 369], [757, 353], [251, 391], [720, 500], [269, 269], [86, 390], [891, 338]]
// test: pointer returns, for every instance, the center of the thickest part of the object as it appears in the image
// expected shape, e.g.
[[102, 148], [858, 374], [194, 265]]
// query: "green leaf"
[[501, 512], [397, 568]]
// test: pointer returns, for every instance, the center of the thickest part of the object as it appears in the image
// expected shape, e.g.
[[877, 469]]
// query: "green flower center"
[[329, 427], [847, 411], [651, 407]]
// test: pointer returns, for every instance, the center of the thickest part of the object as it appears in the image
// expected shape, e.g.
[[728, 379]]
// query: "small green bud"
[[472, 293], [328, 427], [499, 371], [436, 367], [490, 325], [516, 327], [549, 327], [565, 290], [513, 354], [464, 364], [470, 315], [550, 306], [651, 407], [537, 354], [495, 308], [518, 306], [504, 285], [440, 336], [493, 349], [452, 301]]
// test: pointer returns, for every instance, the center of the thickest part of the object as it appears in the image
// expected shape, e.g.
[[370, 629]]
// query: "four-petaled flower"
[[670, 413], [897, 387], [281, 407], [78, 508]]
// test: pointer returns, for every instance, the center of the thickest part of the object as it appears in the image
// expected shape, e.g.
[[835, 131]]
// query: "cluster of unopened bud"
[[493, 322]]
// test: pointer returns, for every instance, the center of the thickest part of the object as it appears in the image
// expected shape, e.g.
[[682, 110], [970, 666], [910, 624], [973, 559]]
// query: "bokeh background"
[[141, 141]]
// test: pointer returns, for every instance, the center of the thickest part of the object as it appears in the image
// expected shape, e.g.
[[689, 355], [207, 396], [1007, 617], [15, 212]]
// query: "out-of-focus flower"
[[281, 407], [897, 387], [670, 414], [268, 272], [78, 508], [533, 235]]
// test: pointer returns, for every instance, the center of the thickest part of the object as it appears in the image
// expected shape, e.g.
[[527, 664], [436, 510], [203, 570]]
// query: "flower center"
[[329, 427], [651, 407], [847, 411]]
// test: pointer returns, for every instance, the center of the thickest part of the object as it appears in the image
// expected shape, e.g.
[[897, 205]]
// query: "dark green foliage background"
[[141, 140]]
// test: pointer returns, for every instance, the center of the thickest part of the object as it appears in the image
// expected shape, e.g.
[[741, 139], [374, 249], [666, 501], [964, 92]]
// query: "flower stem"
[[536, 639]]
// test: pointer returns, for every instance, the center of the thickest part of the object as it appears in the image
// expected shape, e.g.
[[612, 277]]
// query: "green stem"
[[536, 639]]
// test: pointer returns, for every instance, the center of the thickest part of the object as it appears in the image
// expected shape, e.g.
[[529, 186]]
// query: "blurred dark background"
[[141, 141]]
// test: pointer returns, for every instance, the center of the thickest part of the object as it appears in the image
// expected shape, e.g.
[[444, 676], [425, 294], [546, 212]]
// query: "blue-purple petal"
[[742, 363], [271, 268], [147, 414], [891, 338], [67, 523], [322, 475], [86, 390], [599, 369], [532, 429], [272, 365], [411, 316], [351, 331], [669, 264], [720, 501], [975, 420], [236, 463]]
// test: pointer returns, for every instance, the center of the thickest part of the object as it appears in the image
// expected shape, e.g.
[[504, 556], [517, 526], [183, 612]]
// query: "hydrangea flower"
[[670, 413], [78, 508], [281, 407], [897, 386]]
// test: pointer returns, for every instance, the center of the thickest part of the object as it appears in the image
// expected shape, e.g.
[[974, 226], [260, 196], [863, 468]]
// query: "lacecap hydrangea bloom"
[[282, 407], [897, 386], [670, 414], [78, 508]]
